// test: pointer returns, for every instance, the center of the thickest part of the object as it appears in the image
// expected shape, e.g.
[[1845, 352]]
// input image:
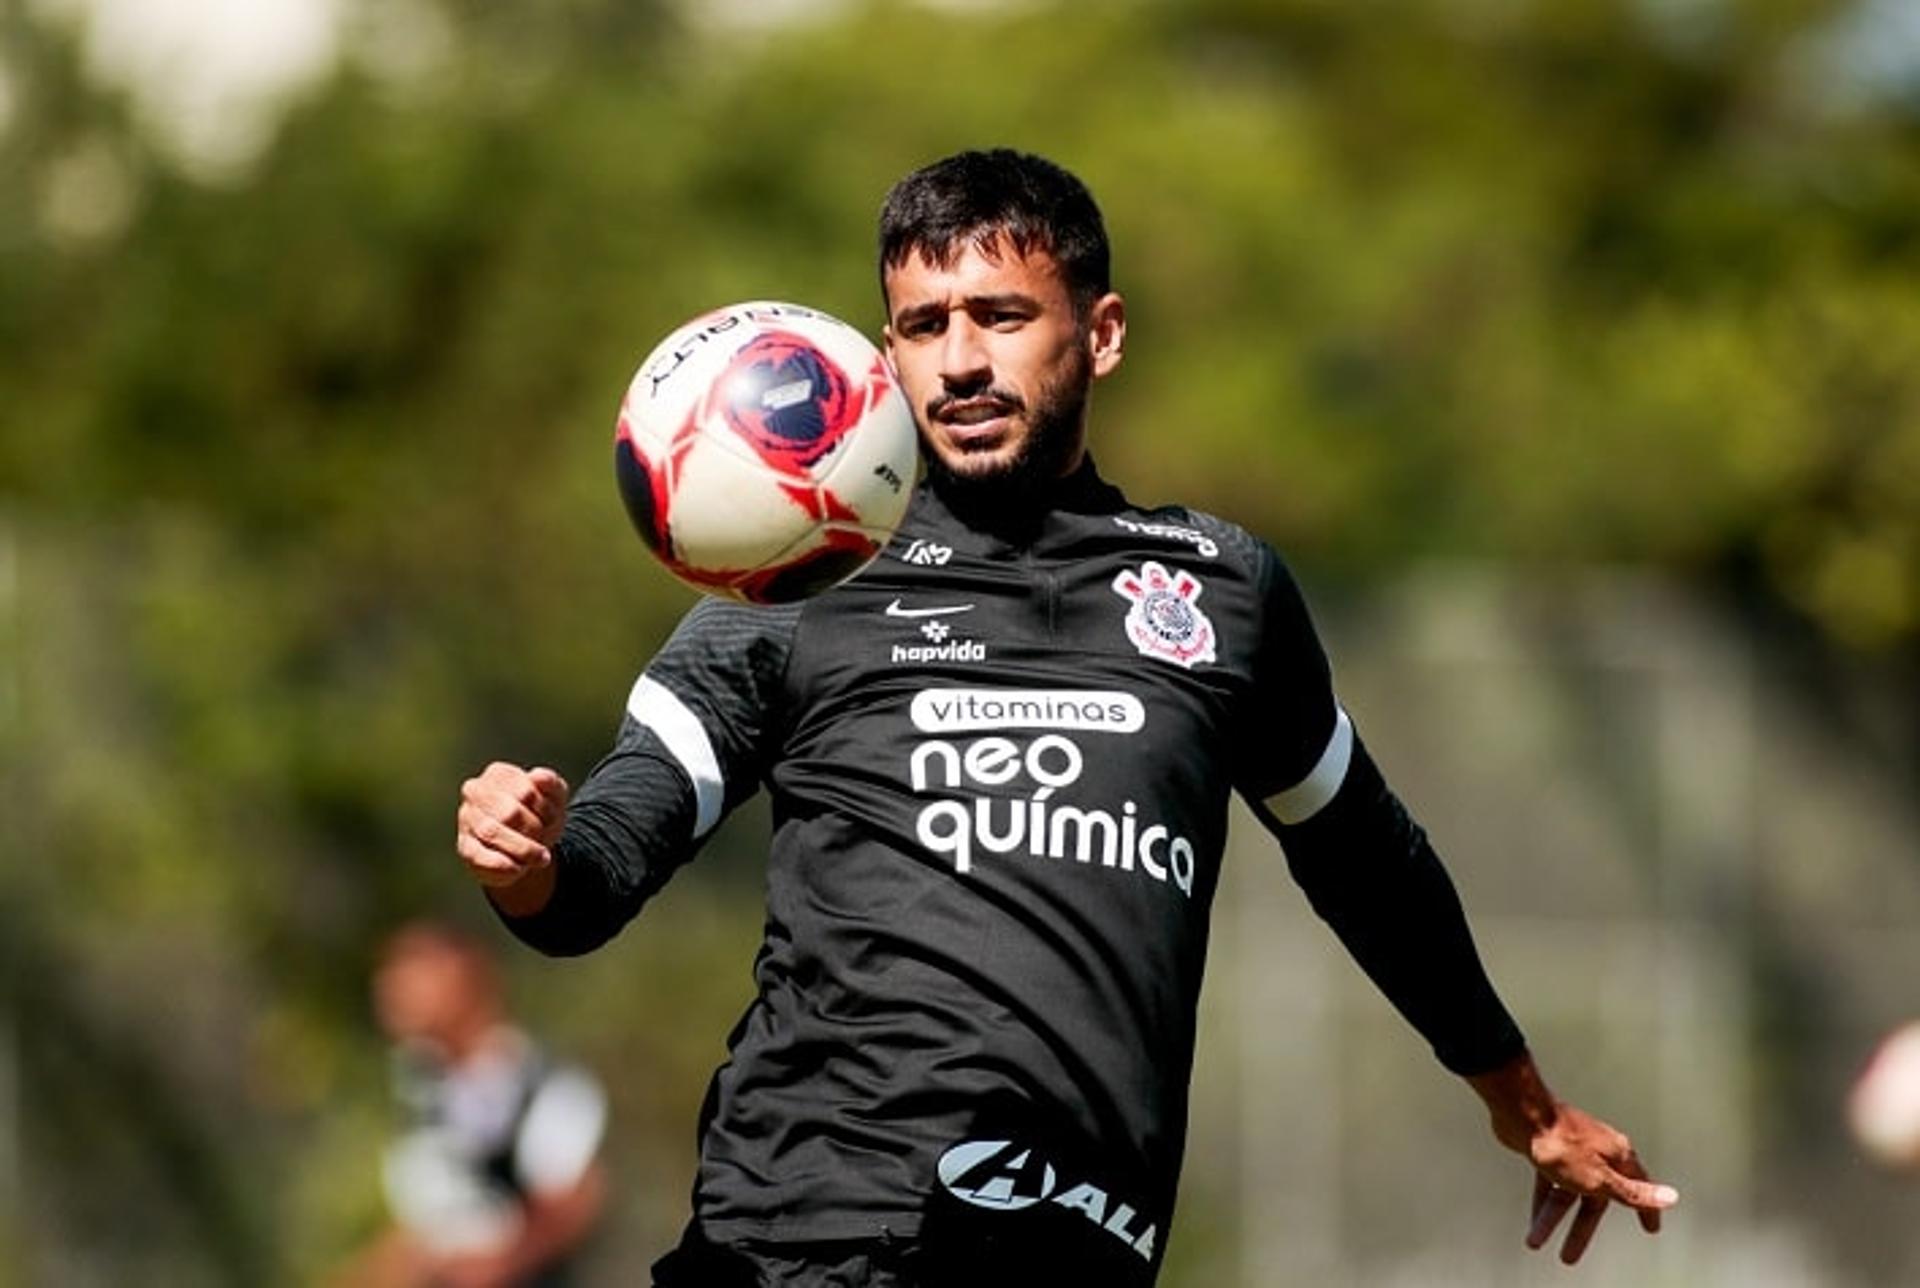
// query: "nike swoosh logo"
[[895, 610]]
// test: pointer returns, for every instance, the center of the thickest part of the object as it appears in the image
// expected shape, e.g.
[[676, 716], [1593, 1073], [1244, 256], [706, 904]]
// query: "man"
[[494, 1183], [991, 866]]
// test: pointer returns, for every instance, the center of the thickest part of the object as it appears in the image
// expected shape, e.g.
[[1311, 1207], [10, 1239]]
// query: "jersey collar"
[[1015, 524]]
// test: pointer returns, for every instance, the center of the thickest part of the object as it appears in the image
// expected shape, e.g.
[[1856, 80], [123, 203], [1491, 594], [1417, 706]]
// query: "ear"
[[1107, 332]]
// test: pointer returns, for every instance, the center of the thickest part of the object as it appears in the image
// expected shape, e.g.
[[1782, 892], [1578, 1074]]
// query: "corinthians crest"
[[1163, 620]]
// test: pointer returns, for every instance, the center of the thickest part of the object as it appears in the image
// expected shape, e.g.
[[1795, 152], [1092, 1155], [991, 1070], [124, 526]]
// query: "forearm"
[[628, 828], [689, 748], [1518, 1101], [1369, 871], [555, 1226]]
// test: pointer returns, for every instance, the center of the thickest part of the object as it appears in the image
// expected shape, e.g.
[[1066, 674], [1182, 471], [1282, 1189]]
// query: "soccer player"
[[1000, 762]]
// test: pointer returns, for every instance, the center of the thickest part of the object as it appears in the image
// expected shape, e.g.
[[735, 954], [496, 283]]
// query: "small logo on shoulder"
[[928, 554], [1163, 621], [1199, 540]]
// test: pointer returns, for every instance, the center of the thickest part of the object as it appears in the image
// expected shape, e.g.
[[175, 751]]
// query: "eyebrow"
[[972, 303]]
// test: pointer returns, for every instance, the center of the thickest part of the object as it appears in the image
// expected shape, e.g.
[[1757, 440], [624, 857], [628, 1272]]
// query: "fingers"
[[508, 816], [1636, 1189], [1552, 1201], [515, 838], [1648, 1196], [491, 867], [551, 792], [1550, 1206], [1580, 1233], [1631, 1185]]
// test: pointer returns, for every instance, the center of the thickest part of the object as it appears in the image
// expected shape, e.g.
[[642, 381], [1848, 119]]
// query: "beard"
[[1055, 427]]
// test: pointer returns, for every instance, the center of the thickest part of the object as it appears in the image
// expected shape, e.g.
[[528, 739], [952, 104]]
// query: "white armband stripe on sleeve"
[[653, 704], [1310, 795]]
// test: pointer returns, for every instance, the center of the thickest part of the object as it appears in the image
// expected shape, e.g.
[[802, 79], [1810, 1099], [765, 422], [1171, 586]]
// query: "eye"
[[1002, 317], [918, 328]]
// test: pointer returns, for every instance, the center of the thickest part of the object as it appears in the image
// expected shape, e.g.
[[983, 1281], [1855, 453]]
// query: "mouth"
[[972, 420]]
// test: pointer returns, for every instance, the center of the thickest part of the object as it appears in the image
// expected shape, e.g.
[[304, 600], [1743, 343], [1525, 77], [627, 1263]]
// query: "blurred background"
[[1570, 350]]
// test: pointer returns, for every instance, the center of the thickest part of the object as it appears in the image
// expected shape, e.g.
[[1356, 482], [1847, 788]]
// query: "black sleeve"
[[1370, 873], [699, 729], [1292, 716], [1366, 867]]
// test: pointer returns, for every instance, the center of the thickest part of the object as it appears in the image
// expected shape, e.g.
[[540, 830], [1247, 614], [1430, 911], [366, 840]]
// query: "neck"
[[474, 1034], [1013, 505]]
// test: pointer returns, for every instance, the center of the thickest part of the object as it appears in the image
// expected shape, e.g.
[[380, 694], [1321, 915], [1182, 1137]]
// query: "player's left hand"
[[1583, 1165]]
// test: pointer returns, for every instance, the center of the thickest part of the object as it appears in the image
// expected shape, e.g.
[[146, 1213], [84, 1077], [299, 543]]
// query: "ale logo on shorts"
[[996, 1174], [1005, 1176], [1163, 621]]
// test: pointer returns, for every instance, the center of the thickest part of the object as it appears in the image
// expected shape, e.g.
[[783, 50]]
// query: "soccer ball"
[[765, 452]]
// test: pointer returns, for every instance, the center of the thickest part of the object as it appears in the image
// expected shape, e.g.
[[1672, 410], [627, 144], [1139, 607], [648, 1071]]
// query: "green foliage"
[[306, 474]]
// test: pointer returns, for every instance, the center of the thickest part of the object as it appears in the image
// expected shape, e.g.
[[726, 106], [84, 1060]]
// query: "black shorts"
[[862, 1263], [1046, 1253]]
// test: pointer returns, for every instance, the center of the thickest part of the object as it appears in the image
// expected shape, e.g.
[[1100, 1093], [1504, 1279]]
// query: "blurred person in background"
[[494, 1182], [969, 1055], [1883, 1105]]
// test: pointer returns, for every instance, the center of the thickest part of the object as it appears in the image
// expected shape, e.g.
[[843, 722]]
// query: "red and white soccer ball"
[[765, 452]]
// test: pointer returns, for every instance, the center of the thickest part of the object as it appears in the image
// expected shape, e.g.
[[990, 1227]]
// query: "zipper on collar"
[[1046, 589]]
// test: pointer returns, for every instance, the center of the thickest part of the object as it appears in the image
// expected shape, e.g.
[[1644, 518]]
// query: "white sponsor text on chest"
[[965, 710], [999, 791]]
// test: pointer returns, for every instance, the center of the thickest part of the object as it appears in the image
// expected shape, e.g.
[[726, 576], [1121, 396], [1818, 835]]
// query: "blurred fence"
[[1692, 883]]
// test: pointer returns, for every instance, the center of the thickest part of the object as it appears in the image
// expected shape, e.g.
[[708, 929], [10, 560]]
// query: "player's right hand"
[[509, 819]]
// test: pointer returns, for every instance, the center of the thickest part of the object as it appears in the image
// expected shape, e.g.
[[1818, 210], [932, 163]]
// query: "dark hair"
[[980, 198]]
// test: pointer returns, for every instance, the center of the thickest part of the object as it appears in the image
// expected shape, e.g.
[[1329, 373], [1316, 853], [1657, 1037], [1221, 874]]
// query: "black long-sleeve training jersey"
[[999, 762]]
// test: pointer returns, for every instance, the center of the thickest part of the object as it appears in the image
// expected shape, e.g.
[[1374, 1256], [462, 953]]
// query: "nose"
[[964, 363]]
